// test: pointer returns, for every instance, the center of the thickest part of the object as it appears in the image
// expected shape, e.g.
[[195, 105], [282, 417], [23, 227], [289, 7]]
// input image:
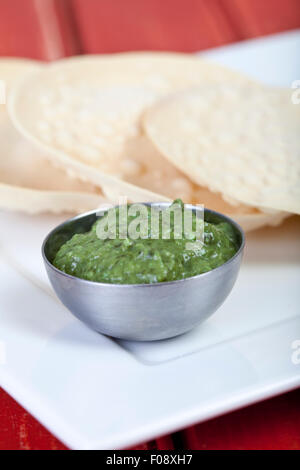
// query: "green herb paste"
[[146, 260]]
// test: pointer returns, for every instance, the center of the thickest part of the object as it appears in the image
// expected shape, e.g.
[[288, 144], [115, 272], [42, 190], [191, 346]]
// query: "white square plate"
[[93, 392]]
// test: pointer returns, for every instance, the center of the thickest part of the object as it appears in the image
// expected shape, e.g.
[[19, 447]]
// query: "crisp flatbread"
[[241, 141], [85, 112], [84, 109], [146, 167], [28, 182]]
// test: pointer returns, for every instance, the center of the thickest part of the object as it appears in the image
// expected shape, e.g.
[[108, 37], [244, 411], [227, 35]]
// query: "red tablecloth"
[[50, 29]]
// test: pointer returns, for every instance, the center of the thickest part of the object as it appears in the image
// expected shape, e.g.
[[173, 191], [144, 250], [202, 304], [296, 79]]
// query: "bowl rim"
[[154, 284]]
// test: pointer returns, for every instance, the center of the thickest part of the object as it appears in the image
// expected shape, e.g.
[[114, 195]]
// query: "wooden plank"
[[161, 443], [20, 431], [251, 18], [38, 29], [270, 425], [114, 26], [67, 27], [20, 30]]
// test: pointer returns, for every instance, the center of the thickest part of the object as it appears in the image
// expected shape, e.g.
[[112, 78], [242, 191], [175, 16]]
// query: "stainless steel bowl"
[[141, 312]]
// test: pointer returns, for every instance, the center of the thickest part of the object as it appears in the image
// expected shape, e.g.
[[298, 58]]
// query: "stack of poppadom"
[[149, 126]]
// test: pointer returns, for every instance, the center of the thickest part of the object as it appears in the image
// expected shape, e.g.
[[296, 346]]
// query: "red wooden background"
[[50, 29]]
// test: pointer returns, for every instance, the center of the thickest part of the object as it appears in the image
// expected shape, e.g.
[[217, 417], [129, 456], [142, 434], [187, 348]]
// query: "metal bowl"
[[141, 312]]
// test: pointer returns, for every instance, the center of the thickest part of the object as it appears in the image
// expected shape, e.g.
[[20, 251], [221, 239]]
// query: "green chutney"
[[146, 260]]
